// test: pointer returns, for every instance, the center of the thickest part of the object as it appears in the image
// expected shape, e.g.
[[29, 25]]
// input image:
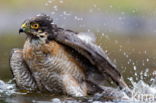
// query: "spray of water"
[[6, 89]]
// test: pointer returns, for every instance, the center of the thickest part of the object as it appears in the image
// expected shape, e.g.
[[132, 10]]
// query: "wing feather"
[[93, 53], [20, 71]]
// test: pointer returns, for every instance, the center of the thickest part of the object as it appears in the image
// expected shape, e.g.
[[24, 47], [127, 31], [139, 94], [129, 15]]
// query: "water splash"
[[143, 92], [7, 89]]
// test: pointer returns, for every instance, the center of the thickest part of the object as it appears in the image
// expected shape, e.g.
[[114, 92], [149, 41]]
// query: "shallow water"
[[141, 93]]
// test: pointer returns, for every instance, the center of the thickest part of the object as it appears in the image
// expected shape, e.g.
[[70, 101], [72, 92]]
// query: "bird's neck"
[[34, 49], [36, 42]]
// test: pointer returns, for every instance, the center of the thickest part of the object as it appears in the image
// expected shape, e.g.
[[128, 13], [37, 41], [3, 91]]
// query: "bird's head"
[[37, 27]]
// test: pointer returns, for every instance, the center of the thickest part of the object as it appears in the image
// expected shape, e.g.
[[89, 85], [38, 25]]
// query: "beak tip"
[[20, 30]]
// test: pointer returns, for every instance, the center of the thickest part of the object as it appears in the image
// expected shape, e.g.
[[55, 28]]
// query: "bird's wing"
[[93, 53], [20, 71]]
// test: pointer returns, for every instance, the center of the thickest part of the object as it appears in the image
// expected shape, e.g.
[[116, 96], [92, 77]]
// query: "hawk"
[[60, 61]]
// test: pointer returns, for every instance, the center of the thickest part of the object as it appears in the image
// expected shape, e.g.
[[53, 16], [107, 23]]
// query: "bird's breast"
[[49, 62], [51, 55]]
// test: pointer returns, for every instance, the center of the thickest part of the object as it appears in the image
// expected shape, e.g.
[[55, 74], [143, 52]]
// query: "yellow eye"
[[35, 26]]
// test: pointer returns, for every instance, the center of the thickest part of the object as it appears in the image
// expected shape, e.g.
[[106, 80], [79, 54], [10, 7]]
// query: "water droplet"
[[124, 53], [66, 13], [78, 18], [146, 72], [128, 62], [134, 67], [55, 7]]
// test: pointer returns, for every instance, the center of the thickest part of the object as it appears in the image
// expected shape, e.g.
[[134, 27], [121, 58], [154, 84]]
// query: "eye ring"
[[35, 26]]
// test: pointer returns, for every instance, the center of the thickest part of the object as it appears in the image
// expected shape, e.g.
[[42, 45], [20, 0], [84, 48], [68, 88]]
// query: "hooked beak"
[[21, 30]]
